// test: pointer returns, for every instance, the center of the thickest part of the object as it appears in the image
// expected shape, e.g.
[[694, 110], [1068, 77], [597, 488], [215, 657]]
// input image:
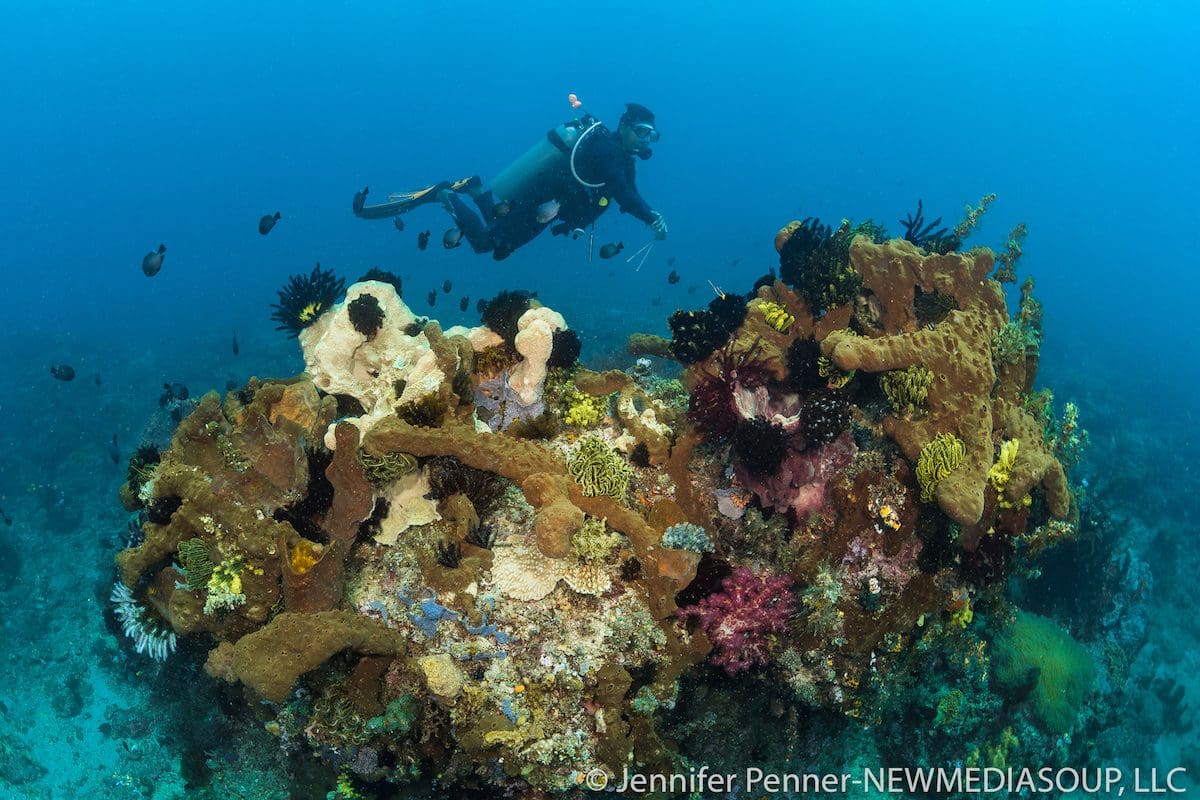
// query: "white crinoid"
[[149, 636]]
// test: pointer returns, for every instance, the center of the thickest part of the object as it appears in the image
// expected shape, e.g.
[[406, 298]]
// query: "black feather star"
[[928, 236], [305, 298]]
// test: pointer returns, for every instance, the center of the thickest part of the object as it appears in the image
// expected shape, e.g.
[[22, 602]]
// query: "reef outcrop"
[[514, 562]]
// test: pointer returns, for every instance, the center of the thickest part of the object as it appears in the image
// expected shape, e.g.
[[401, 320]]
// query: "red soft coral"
[[744, 618]]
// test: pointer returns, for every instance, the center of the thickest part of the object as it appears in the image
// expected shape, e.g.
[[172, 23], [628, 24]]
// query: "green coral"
[[398, 717], [819, 601], [385, 468], [593, 541], [196, 563], [225, 586], [907, 389], [937, 460], [1035, 651], [599, 469]]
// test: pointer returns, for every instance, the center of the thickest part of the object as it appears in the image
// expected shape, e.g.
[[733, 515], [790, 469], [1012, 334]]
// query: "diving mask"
[[645, 132]]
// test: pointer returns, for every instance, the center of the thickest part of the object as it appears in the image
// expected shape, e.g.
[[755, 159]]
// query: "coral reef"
[[461, 557]]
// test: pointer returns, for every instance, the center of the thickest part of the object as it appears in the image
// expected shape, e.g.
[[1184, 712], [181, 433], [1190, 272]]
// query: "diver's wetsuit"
[[599, 158]]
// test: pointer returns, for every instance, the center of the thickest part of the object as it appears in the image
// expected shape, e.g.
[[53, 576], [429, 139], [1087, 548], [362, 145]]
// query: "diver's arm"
[[621, 186]]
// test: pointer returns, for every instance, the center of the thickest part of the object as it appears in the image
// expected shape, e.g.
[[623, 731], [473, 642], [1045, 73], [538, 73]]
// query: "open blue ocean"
[[351, 490]]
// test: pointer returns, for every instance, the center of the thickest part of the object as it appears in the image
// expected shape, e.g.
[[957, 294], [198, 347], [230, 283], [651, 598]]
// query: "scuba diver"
[[564, 182]]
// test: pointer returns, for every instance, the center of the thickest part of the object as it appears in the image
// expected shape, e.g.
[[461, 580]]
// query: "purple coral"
[[743, 619]]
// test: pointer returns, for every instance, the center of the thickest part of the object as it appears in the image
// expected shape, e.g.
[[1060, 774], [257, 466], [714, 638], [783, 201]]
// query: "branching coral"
[[938, 459], [744, 620], [1014, 248], [599, 469], [305, 298], [972, 217]]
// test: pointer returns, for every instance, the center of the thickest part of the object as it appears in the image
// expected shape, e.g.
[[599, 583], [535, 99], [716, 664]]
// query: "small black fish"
[[501, 209], [691, 290], [480, 305], [609, 250], [7, 521], [360, 199], [152, 261], [673, 278], [447, 286], [172, 391], [671, 261], [423, 240], [114, 451], [433, 298], [464, 304], [399, 223], [452, 238], [63, 372], [236, 350], [98, 381], [267, 222], [735, 262]]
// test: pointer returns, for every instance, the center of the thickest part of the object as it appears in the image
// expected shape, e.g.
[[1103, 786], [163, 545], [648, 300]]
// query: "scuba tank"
[[548, 163]]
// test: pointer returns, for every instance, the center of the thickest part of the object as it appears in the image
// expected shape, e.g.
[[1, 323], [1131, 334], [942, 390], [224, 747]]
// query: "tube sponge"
[[535, 342]]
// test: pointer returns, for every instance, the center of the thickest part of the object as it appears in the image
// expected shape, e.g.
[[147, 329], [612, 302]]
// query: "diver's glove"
[[659, 225]]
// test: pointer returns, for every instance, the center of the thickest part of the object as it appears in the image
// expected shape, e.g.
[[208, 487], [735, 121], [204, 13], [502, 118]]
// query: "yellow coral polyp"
[[937, 460], [776, 316], [584, 411]]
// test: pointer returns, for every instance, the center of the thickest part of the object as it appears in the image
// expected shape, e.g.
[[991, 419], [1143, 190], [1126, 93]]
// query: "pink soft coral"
[[743, 619], [798, 486]]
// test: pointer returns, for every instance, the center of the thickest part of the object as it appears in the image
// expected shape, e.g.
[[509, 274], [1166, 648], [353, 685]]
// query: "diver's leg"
[[473, 228], [486, 203]]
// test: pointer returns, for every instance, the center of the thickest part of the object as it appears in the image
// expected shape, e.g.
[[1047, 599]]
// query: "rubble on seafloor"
[[447, 547]]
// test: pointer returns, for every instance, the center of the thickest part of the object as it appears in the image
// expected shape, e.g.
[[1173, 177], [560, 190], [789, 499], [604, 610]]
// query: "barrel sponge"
[[535, 342], [272, 658]]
